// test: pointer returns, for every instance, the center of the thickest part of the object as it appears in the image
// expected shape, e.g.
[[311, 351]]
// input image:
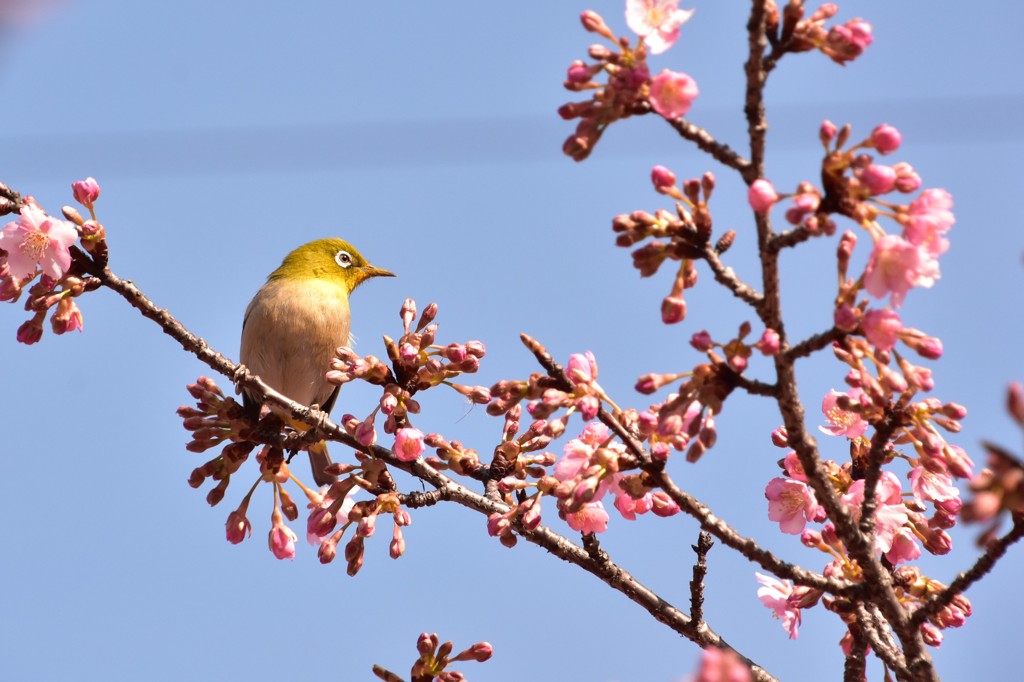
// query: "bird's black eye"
[[343, 258]]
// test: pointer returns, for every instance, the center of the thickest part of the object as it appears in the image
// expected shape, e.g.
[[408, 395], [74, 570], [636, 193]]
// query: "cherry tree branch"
[[599, 565]]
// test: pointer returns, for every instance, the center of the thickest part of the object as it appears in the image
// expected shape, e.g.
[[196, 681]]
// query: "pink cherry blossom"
[[929, 217], [791, 504], [904, 547], [896, 266], [582, 368], [37, 239], [932, 486], [592, 518], [408, 444], [794, 469], [882, 328], [656, 21], [775, 594], [722, 665], [762, 195], [890, 514], [886, 139], [672, 94], [630, 507], [842, 422], [907, 179]]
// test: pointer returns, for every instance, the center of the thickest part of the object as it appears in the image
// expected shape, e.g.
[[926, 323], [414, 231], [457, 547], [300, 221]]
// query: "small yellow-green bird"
[[296, 321]]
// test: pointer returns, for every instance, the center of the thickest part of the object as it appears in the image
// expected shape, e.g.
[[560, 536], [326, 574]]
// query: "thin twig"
[[700, 569], [985, 563]]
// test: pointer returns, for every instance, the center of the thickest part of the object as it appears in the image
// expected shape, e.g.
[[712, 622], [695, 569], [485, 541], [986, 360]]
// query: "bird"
[[293, 325]]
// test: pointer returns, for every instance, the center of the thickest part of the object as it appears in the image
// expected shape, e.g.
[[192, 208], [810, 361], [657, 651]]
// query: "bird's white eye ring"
[[343, 258]]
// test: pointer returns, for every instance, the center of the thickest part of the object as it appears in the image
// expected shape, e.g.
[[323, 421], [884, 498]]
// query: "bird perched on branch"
[[294, 324]]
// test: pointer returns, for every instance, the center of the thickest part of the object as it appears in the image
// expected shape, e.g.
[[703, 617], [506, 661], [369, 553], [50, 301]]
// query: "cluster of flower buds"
[[683, 236], [37, 245], [417, 364], [915, 589], [214, 420], [621, 96], [629, 88], [434, 659], [546, 395], [842, 43]]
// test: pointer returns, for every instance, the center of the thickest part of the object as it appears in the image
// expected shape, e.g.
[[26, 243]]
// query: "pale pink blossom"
[[929, 217], [791, 504], [722, 665], [656, 21], [591, 518], [890, 514], [776, 594], [794, 469], [582, 368], [881, 328], [409, 444], [762, 195], [932, 486], [886, 139], [672, 94], [630, 507], [842, 422], [904, 547], [896, 266], [37, 239]]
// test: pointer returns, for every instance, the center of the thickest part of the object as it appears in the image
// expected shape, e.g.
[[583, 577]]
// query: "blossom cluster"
[[434, 659], [415, 364], [683, 236], [629, 88], [36, 258], [842, 43]]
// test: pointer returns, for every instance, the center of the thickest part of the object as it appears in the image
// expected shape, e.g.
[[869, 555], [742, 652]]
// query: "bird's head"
[[332, 260]]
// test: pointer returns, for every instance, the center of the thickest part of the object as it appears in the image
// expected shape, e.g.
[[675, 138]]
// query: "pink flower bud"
[[878, 179], [702, 341], [886, 139], [582, 368], [238, 527], [827, 132], [663, 179], [907, 180], [673, 309], [86, 191], [31, 331], [663, 505], [762, 196], [594, 23], [780, 438], [769, 343]]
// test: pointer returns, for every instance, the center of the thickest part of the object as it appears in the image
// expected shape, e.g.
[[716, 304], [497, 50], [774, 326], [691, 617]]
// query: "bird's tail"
[[319, 460]]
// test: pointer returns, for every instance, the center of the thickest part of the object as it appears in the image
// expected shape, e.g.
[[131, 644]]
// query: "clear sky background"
[[224, 134]]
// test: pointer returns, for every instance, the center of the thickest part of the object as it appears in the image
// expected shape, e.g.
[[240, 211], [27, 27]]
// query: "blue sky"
[[224, 134]]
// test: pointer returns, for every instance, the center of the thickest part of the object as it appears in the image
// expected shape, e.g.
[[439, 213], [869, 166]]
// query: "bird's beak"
[[374, 271]]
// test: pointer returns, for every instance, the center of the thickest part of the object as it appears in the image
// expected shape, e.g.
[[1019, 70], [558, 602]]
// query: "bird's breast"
[[290, 332]]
